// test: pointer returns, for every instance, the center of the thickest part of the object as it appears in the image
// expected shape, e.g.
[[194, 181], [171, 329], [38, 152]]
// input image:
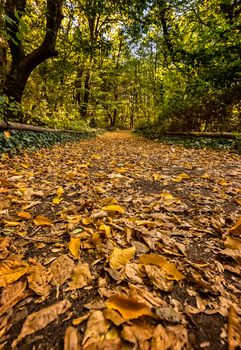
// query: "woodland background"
[[76, 63]]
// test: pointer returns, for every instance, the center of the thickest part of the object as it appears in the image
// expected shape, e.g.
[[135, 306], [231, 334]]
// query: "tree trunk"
[[23, 65], [84, 105]]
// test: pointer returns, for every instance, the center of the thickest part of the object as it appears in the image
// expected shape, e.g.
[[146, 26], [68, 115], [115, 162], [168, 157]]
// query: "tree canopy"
[[175, 64]]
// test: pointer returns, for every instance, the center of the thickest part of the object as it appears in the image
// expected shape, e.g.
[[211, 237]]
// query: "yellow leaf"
[[86, 221], [170, 269], [7, 134], [74, 246], [60, 191], [236, 229], [105, 228], [157, 176], [11, 271], [41, 220], [120, 257], [129, 308], [205, 176], [24, 215], [12, 223], [234, 329], [57, 200], [116, 208], [25, 166], [223, 182]]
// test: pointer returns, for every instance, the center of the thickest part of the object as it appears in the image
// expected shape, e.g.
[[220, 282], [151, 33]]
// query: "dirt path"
[[79, 226]]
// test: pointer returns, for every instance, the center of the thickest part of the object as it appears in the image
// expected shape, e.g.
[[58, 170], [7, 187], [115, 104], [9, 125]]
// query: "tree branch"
[[14, 11]]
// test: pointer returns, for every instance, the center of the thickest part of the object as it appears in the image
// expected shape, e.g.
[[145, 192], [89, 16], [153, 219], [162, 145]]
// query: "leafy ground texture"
[[120, 243]]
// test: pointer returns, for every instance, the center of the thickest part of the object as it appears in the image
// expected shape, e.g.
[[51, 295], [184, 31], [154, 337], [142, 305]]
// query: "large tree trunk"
[[22, 64]]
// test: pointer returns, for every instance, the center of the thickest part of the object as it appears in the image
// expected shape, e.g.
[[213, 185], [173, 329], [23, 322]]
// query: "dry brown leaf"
[[11, 271], [236, 229], [74, 246], [157, 277], [133, 273], [62, 269], [39, 280], [232, 243], [72, 339], [170, 269], [81, 277], [79, 320], [137, 333], [11, 295], [4, 247], [120, 257], [11, 292], [41, 220], [234, 329], [40, 319], [96, 329], [129, 308], [171, 337]]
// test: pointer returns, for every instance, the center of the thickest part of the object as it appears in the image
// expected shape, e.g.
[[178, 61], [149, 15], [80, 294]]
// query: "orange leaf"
[[170, 269], [24, 215], [41, 220], [7, 134], [236, 229], [129, 308]]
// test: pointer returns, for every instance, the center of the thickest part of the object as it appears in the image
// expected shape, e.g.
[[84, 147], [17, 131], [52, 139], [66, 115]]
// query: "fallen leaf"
[[120, 257], [157, 277], [113, 316], [74, 246], [234, 329], [40, 319], [11, 271], [72, 340], [41, 220], [39, 280], [232, 243], [170, 269], [7, 134], [137, 334], [11, 295], [24, 215], [62, 269], [81, 277], [79, 320], [115, 208], [106, 229], [96, 329], [133, 273], [236, 229], [129, 308]]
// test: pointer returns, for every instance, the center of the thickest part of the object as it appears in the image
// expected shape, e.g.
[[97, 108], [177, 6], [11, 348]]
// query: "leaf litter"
[[120, 243]]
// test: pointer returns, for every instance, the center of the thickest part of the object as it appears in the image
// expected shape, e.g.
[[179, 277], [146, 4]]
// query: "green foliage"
[[30, 140], [172, 64]]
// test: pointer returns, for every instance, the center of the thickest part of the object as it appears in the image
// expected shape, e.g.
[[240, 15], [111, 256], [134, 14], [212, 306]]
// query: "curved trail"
[[80, 223]]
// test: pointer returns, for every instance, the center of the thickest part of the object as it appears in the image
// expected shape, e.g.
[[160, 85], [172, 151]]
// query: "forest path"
[[65, 211]]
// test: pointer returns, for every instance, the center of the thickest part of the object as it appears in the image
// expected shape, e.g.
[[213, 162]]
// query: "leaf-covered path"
[[120, 243]]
